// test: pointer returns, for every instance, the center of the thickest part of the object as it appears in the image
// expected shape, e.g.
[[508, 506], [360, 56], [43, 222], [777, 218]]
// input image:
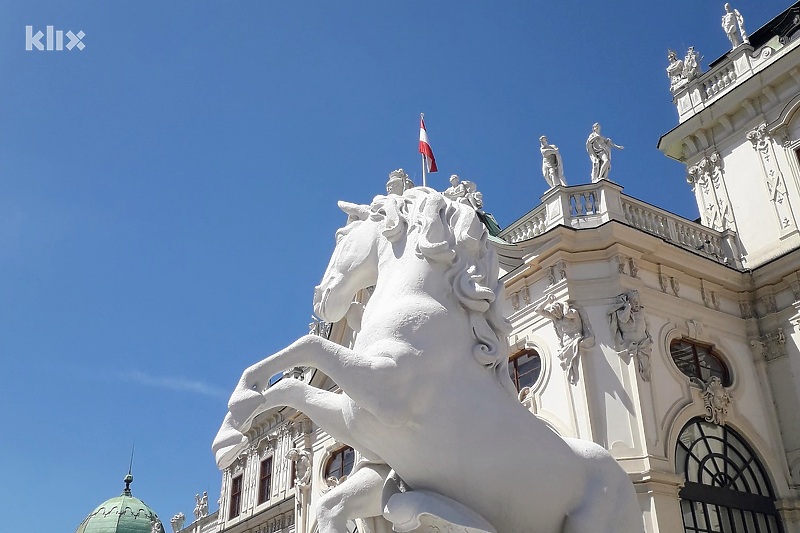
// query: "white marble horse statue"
[[426, 396]]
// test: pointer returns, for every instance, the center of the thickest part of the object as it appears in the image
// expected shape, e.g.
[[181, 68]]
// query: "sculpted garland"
[[426, 395]]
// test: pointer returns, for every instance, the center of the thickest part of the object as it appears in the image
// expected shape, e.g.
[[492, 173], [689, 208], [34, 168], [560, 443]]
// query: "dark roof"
[[786, 26]]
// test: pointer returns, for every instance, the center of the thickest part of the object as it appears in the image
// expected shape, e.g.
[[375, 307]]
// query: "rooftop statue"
[[599, 150], [733, 24], [426, 398], [677, 78], [399, 182], [691, 64], [552, 166], [465, 192]]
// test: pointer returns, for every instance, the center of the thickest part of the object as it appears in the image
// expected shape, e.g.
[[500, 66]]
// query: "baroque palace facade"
[[674, 344]]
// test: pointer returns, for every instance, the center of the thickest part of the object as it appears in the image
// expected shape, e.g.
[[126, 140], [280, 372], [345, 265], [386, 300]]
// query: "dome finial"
[[129, 478]]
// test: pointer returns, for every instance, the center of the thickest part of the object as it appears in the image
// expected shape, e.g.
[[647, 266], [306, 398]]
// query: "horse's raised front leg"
[[365, 378], [324, 408], [359, 496]]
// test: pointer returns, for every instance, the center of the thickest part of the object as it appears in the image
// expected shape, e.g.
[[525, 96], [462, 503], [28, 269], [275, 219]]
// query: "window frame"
[[265, 480], [339, 453], [513, 368], [235, 504], [727, 375]]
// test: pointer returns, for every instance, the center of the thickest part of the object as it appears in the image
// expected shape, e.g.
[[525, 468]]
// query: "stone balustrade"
[[698, 93], [716, 80], [586, 206]]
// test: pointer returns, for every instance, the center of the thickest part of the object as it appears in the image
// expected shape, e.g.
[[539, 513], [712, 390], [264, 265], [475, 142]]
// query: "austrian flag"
[[425, 147]]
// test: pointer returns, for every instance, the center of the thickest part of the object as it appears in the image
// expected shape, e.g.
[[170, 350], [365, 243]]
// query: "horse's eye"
[[339, 235]]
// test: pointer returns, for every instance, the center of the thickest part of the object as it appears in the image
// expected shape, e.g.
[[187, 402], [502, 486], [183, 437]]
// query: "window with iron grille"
[[727, 489]]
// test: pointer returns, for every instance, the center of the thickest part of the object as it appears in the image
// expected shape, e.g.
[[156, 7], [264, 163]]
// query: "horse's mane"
[[451, 233]]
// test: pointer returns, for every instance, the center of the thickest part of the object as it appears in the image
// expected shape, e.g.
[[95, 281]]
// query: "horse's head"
[[354, 263]]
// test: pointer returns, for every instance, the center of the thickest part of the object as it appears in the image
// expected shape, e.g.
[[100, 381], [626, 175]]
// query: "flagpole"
[[424, 182]]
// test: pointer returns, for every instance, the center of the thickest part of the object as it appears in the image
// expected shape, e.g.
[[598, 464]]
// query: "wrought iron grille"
[[727, 489]]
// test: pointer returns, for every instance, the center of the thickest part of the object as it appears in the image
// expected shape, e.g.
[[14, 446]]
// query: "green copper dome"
[[123, 514]]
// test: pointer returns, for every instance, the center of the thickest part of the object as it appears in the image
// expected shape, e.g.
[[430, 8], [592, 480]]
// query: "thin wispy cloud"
[[179, 384]]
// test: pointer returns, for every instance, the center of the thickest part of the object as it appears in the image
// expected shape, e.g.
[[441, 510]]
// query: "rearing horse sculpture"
[[426, 391]]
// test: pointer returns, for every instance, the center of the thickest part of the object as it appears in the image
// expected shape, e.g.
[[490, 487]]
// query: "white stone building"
[[688, 362]]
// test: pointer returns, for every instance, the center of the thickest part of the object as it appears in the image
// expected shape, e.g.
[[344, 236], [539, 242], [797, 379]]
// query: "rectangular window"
[[265, 480], [236, 498]]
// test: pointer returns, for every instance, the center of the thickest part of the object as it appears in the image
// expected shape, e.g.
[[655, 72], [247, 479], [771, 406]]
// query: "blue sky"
[[168, 194]]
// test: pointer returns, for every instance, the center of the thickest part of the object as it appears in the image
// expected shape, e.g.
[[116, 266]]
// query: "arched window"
[[727, 489], [698, 361], [524, 368], [340, 463]]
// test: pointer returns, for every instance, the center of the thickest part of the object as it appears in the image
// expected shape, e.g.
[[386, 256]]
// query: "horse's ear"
[[354, 211]]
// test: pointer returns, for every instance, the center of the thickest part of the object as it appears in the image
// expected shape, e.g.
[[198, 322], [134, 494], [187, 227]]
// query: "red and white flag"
[[425, 147]]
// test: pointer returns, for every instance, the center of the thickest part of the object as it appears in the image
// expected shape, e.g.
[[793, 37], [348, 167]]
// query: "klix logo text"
[[53, 40]]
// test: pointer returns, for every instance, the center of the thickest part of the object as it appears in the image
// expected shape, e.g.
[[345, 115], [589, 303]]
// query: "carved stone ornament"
[[515, 301], [773, 178], [716, 400], [770, 304], [155, 525], [770, 346], [302, 466], [663, 282], [319, 327], [746, 309], [177, 522], [706, 178], [573, 331], [526, 399], [675, 285], [629, 330], [433, 339]]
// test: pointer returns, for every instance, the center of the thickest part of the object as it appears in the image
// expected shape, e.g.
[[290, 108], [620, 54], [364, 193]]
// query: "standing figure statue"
[[399, 182], [629, 328], [573, 331], [733, 24], [552, 167], [197, 507], [204, 505], [599, 150], [675, 72]]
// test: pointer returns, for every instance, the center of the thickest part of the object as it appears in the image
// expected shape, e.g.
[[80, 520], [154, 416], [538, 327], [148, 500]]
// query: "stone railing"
[[699, 92], [715, 80], [586, 206], [677, 230], [527, 227]]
